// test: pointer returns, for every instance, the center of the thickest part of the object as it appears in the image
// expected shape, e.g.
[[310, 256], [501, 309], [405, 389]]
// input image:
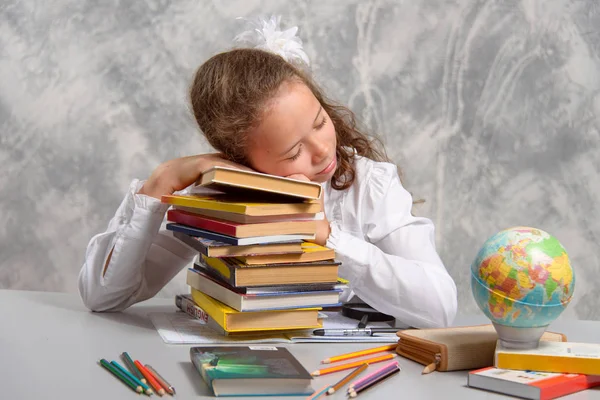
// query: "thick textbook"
[[237, 274], [275, 320], [565, 357], [530, 384]]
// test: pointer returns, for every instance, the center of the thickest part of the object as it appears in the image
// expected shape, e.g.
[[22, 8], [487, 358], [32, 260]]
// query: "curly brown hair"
[[228, 96]]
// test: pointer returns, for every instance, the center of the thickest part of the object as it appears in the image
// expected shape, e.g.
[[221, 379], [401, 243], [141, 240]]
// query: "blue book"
[[251, 371], [191, 231]]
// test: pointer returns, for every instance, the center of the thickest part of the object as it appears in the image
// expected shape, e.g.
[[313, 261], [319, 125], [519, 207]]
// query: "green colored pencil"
[[146, 388], [122, 378]]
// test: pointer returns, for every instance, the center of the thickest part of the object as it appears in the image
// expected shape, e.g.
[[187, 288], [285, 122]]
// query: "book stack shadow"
[[258, 270]]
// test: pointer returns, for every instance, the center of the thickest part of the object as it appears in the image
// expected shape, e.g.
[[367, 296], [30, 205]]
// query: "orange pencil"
[[150, 378], [359, 353], [353, 364]]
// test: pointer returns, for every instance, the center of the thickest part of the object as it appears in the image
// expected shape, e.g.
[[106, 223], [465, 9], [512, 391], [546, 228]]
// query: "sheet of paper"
[[180, 328]]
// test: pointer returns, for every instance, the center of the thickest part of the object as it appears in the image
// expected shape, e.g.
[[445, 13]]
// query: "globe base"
[[519, 338]]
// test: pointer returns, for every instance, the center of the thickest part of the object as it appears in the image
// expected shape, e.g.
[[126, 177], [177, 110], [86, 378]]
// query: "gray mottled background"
[[490, 108]]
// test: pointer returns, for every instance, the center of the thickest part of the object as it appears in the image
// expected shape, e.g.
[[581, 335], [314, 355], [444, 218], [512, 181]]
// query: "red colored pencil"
[[150, 378]]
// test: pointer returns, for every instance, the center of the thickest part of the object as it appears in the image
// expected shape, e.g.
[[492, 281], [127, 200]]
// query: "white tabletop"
[[50, 344]]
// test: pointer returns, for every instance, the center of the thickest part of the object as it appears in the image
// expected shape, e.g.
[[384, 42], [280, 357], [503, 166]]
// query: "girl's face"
[[295, 136]]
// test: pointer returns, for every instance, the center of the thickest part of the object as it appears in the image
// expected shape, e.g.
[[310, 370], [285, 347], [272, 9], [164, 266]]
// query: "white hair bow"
[[266, 35]]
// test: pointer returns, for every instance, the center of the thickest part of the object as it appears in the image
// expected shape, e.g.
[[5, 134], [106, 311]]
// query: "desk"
[[50, 344]]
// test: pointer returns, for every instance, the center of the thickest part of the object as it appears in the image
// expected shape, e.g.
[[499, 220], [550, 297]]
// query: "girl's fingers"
[[298, 177]]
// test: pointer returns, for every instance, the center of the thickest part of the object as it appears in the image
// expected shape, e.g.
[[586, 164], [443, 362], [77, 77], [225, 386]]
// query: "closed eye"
[[295, 156], [322, 123]]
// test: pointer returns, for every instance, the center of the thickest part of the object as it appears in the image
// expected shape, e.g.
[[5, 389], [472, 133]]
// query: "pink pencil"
[[371, 375]]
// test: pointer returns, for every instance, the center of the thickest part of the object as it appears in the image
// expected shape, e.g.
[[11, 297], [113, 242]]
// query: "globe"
[[522, 280]]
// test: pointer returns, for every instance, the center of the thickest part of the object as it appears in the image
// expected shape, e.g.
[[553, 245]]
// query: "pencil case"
[[453, 349]]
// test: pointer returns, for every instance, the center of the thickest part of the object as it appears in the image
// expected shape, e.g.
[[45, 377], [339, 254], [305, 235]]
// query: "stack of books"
[[257, 270]]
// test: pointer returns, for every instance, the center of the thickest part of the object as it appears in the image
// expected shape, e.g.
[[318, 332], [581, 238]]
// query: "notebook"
[[251, 371]]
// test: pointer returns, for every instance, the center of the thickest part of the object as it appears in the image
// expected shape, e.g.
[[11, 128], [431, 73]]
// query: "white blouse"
[[387, 254]]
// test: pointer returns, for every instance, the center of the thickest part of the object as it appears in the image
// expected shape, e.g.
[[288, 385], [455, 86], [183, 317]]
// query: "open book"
[[180, 328]]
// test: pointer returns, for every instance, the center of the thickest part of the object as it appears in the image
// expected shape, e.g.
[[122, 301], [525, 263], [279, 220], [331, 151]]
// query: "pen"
[[353, 332]]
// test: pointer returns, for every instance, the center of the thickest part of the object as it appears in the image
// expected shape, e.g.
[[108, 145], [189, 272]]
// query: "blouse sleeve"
[[395, 268], [145, 256]]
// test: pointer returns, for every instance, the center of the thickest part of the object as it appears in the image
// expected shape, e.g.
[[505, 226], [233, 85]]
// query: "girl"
[[261, 111]]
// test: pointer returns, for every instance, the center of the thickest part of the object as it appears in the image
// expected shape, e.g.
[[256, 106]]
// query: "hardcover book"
[[196, 232], [236, 273], [215, 248], [251, 321], [262, 301], [310, 252], [565, 357], [249, 219], [240, 205], [251, 371], [239, 230], [231, 179]]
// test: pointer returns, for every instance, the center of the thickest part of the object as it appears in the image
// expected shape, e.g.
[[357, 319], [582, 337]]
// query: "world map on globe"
[[522, 277]]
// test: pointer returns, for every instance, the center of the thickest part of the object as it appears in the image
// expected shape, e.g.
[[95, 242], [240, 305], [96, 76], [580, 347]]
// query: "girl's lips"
[[329, 168]]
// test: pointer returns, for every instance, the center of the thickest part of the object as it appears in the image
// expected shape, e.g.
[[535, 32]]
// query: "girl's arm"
[[134, 258], [395, 267]]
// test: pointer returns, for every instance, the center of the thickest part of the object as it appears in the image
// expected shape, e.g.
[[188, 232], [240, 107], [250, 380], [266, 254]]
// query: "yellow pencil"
[[347, 378], [353, 364], [359, 353]]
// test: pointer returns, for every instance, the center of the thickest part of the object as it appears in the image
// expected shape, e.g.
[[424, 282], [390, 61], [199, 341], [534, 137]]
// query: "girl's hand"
[[180, 173], [323, 228]]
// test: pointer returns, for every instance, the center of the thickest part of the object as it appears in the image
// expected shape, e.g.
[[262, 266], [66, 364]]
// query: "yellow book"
[[238, 274], [310, 252], [236, 205], [565, 357], [273, 320]]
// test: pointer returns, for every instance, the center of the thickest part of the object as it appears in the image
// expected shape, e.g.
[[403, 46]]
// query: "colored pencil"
[[359, 353], [122, 378], [318, 393], [163, 382], [157, 388], [132, 368], [374, 382], [146, 388], [375, 375], [343, 367], [361, 381], [347, 378]]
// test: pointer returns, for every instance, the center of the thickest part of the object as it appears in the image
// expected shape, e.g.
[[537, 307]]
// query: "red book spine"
[[201, 222]]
